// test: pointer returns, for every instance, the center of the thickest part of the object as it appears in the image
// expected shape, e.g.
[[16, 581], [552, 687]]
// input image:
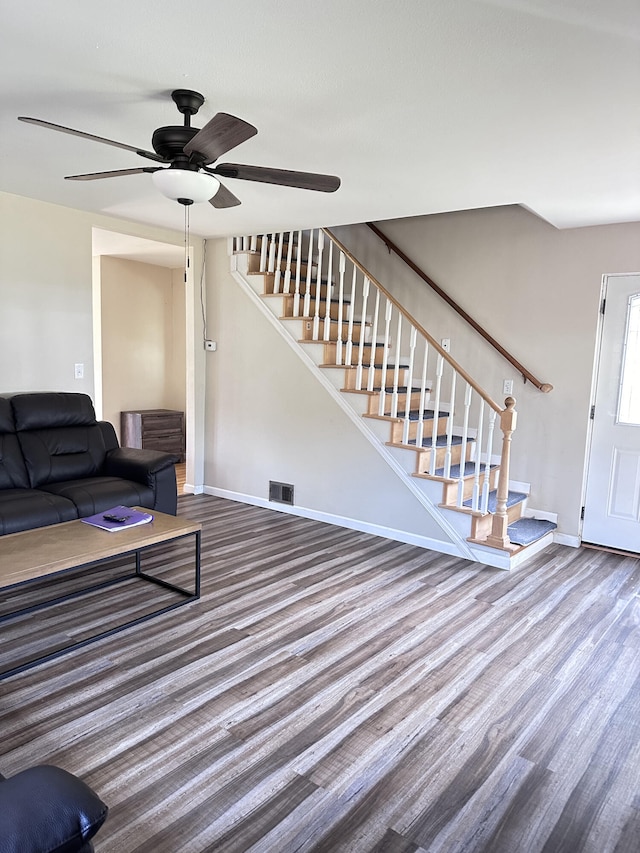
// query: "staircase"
[[439, 431]]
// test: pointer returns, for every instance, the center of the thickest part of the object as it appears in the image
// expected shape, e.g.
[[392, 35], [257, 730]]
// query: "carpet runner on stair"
[[469, 469], [524, 531], [513, 498]]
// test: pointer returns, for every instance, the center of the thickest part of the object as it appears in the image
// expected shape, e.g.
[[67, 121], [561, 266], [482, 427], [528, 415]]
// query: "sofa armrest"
[[151, 468], [132, 463], [46, 810]]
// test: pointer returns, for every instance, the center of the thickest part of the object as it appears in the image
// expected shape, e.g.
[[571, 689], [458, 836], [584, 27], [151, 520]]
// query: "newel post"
[[498, 536]]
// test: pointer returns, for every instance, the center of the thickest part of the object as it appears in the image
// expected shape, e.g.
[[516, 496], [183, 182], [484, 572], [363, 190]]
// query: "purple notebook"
[[118, 518]]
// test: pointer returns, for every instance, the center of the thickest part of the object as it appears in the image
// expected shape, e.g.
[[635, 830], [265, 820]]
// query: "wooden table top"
[[36, 553]]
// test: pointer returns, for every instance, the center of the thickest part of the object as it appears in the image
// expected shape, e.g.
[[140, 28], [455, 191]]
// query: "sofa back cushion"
[[13, 474], [59, 436]]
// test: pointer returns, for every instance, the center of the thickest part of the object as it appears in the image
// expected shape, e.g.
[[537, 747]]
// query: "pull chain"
[[186, 241]]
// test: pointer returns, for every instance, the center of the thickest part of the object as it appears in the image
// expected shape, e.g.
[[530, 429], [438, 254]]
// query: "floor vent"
[[281, 492]]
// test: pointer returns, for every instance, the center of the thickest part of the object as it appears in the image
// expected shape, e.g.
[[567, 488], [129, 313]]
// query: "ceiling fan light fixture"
[[186, 185]]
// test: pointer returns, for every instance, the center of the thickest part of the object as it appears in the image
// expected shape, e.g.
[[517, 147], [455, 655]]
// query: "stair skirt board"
[[524, 531]]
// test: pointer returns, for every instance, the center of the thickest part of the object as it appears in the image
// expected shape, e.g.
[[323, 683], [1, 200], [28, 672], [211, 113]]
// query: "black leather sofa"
[[58, 463], [45, 809]]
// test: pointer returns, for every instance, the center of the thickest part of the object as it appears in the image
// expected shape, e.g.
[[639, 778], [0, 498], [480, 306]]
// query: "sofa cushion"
[[13, 474], [62, 453], [95, 494], [44, 410], [24, 509], [59, 437], [7, 423], [46, 808]]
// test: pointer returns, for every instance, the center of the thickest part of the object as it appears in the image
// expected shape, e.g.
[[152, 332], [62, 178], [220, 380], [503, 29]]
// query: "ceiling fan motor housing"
[[169, 142]]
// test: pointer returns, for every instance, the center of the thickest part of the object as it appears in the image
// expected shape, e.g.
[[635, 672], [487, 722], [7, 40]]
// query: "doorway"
[[140, 341], [612, 499]]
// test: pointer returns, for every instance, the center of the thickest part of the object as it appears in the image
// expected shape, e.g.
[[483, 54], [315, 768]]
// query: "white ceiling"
[[420, 106]]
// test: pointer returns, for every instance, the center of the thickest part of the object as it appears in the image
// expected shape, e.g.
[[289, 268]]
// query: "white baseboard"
[[540, 513], [339, 521], [566, 539], [193, 490]]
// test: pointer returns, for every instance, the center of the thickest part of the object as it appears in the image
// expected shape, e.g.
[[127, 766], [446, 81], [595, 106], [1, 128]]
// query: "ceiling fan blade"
[[284, 177], [224, 198], [219, 135], [141, 151], [95, 176]]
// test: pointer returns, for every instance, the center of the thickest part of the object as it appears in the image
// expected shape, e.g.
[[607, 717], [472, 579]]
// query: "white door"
[[612, 504]]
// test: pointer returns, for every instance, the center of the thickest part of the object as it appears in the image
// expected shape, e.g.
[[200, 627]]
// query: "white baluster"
[[341, 269], [296, 297], [287, 272], [373, 351], [385, 357], [306, 312], [264, 240], [407, 406], [475, 497], [327, 307], [465, 437], [272, 253], [278, 269], [396, 370], [434, 430], [352, 302], [447, 455], [316, 313], [365, 296], [423, 395], [487, 466], [253, 243]]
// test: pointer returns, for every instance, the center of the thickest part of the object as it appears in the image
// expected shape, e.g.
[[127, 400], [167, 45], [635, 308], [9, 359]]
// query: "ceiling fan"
[[189, 152]]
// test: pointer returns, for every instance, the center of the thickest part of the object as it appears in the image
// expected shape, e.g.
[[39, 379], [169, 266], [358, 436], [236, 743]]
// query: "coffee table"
[[32, 555]]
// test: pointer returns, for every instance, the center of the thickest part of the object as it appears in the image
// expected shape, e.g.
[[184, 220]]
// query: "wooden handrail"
[[545, 387], [432, 341]]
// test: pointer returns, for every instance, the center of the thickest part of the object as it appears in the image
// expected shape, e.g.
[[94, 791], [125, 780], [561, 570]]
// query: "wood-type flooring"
[[336, 691]]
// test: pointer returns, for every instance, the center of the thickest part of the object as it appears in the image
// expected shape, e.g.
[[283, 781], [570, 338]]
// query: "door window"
[[629, 398]]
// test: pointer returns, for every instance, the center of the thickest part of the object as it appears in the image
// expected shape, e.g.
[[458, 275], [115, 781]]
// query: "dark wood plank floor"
[[334, 691]]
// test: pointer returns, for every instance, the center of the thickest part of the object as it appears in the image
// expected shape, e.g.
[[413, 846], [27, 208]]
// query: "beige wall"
[[143, 337], [46, 293]]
